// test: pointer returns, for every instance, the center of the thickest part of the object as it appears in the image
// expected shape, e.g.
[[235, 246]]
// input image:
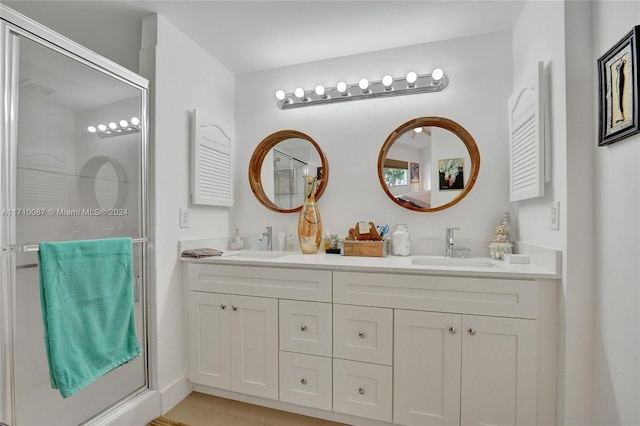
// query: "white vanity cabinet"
[[376, 347], [455, 369], [305, 353], [234, 342], [466, 350], [234, 321], [363, 355]]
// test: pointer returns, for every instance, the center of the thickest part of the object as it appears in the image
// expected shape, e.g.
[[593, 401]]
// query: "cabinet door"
[[210, 353], [426, 368], [254, 346], [499, 366]]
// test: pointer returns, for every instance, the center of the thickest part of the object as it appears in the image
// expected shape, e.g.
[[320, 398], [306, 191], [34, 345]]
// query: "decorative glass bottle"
[[400, 240], [309, 223]]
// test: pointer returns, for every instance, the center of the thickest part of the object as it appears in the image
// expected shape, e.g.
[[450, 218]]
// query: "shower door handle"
[[136, 289]]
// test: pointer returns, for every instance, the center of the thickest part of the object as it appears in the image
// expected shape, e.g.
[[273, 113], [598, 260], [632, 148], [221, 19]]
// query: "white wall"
[[352, 133], [617, 242], [184, 77], [562, 41]]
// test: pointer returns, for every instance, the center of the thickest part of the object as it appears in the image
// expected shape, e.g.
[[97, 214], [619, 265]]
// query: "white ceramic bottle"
[[400, 240]]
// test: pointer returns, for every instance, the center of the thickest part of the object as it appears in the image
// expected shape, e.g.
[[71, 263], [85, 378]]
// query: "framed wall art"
[[451, 173], [618, 90], [415, 172]]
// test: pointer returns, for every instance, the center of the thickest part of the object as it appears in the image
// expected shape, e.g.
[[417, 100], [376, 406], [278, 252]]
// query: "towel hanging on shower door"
[[86, 293]]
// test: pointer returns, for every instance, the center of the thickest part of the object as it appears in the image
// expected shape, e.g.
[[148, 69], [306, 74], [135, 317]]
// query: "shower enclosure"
[[72, 167]]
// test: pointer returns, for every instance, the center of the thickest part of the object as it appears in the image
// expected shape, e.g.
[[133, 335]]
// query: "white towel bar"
[[36, 247]]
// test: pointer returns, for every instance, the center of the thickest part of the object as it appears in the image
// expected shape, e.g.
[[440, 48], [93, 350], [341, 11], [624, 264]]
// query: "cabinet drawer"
[[305, 327], [362, 389], [479, 296], [363, 333], [300, 284], [305, 380]]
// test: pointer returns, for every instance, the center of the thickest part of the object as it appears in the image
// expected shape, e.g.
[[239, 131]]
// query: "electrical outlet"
[[555, 215], [184, 218]]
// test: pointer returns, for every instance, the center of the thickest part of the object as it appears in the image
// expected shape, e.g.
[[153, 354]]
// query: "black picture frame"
[[618, 76]]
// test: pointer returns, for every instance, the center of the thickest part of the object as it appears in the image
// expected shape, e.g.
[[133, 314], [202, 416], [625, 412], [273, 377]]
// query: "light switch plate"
[[555, 215], [184, 218]]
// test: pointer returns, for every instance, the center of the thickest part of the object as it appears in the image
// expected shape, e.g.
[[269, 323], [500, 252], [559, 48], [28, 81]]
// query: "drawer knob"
[[362, 334], [234, 307], [303, 381], [223, 306], [452, 329], [472, 331], [303, 328], [361, 391]]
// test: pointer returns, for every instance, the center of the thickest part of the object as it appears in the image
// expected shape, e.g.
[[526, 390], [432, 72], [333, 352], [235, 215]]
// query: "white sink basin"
[[261, 254], [472, 262]]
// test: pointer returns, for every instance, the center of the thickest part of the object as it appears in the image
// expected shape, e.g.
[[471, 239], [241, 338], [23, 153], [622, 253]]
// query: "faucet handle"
[[450, 229]]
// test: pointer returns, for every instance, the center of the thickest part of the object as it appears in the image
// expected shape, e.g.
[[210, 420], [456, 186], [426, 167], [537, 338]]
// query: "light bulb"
[[418, 130], [91, 129], [437, 74], [342, 87], [364, 84], [411, 78], [102, 127], [124, 123], [280, 95], [387, 81], [299, 92], [113, 126], [135, 121], [320, 90]]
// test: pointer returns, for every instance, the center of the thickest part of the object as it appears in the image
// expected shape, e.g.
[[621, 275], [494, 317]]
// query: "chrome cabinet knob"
[[452, 329], [361, 334], [234, 307], [303, 381], [303, 328], [361, 391], [472, 331], [223, 306]]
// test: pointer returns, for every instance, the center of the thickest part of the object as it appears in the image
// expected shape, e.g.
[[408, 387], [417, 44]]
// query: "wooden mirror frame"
[[259, 154], [443, 123]]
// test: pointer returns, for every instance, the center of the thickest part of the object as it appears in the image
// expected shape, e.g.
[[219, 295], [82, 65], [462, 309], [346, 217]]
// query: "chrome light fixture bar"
[[112, 129], [412, 83]]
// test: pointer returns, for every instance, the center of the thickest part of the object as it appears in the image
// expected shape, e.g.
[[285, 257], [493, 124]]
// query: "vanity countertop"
[[415, 265]]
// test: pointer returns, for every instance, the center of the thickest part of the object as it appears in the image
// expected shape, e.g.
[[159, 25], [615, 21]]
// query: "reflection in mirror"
[[428, 164], [277, 168], [103, 183]]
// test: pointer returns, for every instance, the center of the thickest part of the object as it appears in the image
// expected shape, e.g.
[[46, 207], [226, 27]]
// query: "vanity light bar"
[[116, 129], [412, 83]]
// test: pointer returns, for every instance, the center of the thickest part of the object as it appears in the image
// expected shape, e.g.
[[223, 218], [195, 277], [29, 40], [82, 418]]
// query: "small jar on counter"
[[400, 240]]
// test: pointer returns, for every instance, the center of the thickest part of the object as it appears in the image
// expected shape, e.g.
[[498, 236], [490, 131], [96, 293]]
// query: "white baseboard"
[[145, 407], [172, 394], [137, 411]]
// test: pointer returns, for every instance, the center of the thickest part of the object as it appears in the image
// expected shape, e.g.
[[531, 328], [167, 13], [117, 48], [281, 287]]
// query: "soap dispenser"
[[236, 242]]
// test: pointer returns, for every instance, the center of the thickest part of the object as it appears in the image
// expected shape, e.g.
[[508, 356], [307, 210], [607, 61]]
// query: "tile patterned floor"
[[200, 409]]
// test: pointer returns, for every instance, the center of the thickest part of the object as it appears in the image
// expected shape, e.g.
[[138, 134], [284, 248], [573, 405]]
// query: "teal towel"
[[86, 293]]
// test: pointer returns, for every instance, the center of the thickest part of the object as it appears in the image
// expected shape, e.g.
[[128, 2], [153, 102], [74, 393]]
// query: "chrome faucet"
[[269, 235], [449, 242]]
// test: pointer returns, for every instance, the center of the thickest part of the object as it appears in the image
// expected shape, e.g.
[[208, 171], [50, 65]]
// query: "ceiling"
[[248, 36]]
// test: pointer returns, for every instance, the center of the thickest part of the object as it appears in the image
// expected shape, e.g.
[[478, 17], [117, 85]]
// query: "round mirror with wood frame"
[[434, 173], [268, 148]]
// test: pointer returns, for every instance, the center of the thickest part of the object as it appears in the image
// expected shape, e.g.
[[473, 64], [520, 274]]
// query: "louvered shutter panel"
[[211, 162], [527, 144]]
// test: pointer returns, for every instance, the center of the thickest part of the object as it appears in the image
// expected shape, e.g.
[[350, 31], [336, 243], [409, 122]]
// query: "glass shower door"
[[75, 171]]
